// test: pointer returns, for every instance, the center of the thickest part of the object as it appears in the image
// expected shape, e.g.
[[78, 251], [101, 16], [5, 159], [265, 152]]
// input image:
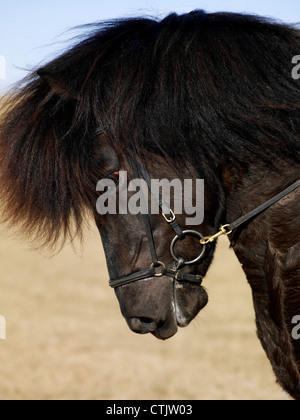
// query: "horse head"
[[197, 96], [157, 275]]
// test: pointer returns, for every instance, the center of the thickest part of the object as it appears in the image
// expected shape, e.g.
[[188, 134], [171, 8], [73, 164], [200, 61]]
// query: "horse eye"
[[115, 177]]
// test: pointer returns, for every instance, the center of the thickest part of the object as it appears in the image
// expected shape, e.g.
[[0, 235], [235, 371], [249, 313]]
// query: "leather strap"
[[146, 221], [264, 206], [227, 229], [140, 275], [147, 274], [170, 218], [180, 276]]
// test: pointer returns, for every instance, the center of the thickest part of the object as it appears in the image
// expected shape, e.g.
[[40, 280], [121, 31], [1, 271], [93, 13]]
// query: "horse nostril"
[[142, 325]]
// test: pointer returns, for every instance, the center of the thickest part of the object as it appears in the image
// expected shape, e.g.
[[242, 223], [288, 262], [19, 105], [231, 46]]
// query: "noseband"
[[158, 268]]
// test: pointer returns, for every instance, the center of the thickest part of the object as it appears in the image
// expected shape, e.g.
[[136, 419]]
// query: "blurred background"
[[66, 338]]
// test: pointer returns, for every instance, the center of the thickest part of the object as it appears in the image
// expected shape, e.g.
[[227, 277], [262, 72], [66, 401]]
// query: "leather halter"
[[170, 218]]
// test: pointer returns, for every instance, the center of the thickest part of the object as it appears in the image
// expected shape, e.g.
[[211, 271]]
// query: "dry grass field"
[[66, 338]]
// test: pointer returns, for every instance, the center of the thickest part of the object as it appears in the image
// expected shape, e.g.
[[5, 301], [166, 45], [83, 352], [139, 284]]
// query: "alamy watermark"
[[2, 68], [137, 197], [296, 329], [2, 328], [296, 69]]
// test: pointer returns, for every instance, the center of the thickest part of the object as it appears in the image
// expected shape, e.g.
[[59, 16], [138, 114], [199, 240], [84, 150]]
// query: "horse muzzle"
[[160, 305]]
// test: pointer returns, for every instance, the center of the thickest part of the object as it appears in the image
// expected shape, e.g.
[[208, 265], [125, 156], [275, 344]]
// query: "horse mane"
[[197, 87]]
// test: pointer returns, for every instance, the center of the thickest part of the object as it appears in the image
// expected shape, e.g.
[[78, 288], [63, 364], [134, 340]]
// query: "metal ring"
[[192, 233], [162, 265]]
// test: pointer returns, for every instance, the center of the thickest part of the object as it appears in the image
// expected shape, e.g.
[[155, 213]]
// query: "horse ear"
[[59, 84]]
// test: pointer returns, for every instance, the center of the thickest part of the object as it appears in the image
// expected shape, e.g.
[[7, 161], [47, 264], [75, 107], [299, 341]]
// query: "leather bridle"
[[169, 216], [180, 235]]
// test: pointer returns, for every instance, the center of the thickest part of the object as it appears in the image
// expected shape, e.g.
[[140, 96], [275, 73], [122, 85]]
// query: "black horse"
[[202, 96]]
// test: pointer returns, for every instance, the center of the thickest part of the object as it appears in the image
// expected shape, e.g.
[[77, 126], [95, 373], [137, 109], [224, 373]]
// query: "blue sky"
[[32, 31]]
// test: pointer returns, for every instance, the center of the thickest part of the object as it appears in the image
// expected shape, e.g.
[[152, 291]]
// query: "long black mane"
[[192, 87]]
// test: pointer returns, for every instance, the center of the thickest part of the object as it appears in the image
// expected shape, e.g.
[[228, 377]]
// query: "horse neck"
[[269, 250]]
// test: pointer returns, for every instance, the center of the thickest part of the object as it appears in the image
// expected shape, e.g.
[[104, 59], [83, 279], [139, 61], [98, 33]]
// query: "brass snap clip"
[[224, 230]]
